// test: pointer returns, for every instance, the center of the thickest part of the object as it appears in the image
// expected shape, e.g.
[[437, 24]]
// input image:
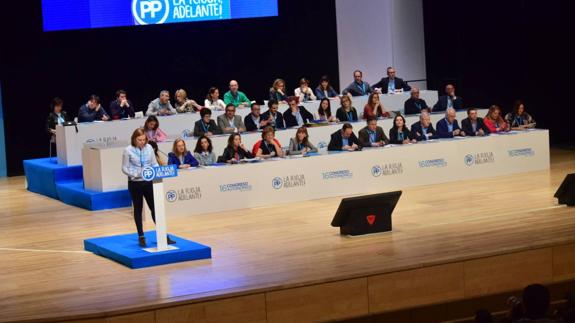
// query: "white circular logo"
[[469, 159], [376, 171], [277, 183], [148, 174], [171, 196], [150, 12]]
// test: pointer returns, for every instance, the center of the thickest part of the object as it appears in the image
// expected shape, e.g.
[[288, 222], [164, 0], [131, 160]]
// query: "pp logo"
[[89, 141], [171, 196], [376, 171], [469, 160], [148, 173], [277, 183], [149, 12], [322, 144]]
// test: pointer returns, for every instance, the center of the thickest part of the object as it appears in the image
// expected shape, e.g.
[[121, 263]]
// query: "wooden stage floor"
[[44, 272]]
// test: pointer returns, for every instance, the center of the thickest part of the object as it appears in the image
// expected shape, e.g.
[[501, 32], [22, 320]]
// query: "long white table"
[[223, 188], [102, 162], [70, 140]]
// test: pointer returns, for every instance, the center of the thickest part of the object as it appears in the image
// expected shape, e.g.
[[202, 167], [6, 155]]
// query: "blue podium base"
[[126, 250]]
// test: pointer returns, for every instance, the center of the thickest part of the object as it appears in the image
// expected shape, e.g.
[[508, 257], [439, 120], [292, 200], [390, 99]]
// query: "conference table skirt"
[[101, 162]]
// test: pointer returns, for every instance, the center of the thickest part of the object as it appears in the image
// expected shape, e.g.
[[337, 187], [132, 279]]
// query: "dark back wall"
[[500, 51], [37, 66]]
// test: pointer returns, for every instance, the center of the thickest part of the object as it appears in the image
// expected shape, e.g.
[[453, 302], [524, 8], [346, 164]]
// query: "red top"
[[368, 112], [490, 124]]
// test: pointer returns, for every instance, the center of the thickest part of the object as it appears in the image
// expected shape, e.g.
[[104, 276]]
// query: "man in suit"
[[423, 129], [230, 122], [473, 125], [414, 104], [358, 87], [448, 126], [92, 111], [344, 139], [254, 121], [372, 135], [206, 126], [296, 115], [449, 100], [275, 118], [391, 83], [121, 108]]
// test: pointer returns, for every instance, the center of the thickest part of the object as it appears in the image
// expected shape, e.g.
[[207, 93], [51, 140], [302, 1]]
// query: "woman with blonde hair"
[[181, 156], [494, 121], [278, 91], [183, 104]]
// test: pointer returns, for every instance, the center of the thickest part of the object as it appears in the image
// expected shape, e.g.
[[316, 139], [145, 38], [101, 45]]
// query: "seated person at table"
[[121, 108], [519, 119], [213, 100], [235, 151], [296, 115], [203, 152], [374, 108], [493, 120], [161, 106], [473, 125], [183, 104], [399, 134], [414, 104], [344, 139], [230, 122], [153, 131], [276, 119], [372, 135], [206, 126], [92, 111], [448, 127], [56, 117], [278, 91], [324, 111], [269, 146], [300, 144], [159, 158], [449, 100], [358, 87], [235, 97], [391, 83], [304, 92], [346, 112], [181, 156], [324, 90], [423, 129], [254, 121]]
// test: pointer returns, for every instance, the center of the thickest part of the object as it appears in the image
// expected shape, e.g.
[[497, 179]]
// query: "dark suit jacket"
[[117, 112], [212, 127], [279, 119], [336, 141], [52, 120], [291, 121], [342, 116], [250, 124], [229, 154], [443, 131], [410, 107], [399, 84], [441, 104], [393, 136], [466, 127], [416, 128], [379, 136], [188, 159]]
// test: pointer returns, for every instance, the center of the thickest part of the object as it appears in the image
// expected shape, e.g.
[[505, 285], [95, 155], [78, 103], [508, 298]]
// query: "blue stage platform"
[[44, 176], [125, 250]]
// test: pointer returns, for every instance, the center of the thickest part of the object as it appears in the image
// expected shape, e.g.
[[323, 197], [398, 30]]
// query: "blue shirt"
[[344, 142], [134, 160], [298, 118], [449, 126], [391, 86], [372, 135]]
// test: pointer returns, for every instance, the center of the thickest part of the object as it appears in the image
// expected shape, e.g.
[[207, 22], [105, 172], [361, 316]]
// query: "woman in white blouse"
[[213, 100], [304, 92]]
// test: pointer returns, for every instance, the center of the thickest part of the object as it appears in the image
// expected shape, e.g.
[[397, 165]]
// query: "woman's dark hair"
[[210, 92], [395, 119], [199, 149], [56, 102], [328, 111], [347, 125], [231, 139], [154, 147], [119, 92], [305, 139], [272, 102], [204, 112], [150, 119], [95, 98], [324, 79], [516, 106]]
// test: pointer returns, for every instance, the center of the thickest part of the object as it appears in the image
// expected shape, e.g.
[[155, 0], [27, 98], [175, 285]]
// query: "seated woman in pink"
[[153, 131], [494, 121]]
